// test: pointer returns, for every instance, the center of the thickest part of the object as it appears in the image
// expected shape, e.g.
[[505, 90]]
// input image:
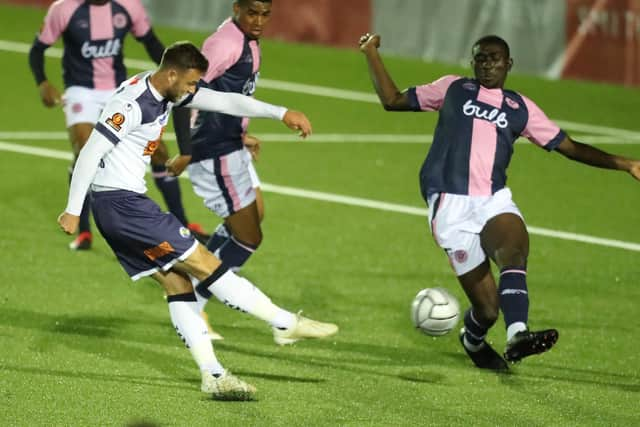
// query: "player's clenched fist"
[[297, 121], [68, 223], [369, 41]]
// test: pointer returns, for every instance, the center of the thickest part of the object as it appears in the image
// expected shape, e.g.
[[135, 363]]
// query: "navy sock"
[[85, 223], [218, 238], [235, 253], [170, 189], [474, 331], [514, 298]]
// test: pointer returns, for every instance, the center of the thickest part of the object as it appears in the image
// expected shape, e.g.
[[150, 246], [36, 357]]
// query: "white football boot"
[[304, 328]]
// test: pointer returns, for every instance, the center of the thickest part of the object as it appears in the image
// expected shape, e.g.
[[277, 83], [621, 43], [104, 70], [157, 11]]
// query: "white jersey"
[[119, 149], [133, 120]]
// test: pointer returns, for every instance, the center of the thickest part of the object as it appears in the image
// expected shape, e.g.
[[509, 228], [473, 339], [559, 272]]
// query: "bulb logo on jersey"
[[102, 50], [115, 121], [494, 116]]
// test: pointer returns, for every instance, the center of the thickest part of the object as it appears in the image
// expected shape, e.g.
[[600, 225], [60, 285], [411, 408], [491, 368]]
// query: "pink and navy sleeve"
[[430, 97], [223, 49], [56, 21], [140, 23], [540, 129]]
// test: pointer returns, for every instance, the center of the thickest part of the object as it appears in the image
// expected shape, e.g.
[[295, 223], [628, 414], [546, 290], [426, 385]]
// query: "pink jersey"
[[473, 141], [93, 37]]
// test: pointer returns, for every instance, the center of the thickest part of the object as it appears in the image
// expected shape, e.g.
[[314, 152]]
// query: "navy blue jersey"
[[234, 60], [474, 137], [93, 37]]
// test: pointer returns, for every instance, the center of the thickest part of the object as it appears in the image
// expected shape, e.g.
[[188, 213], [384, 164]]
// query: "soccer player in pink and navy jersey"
[[463, 180], [93, 32], [219, 164]]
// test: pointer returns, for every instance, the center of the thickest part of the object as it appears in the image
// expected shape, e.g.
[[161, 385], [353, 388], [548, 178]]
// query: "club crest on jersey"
[[494, 115], [461, 256], [511, 103], [116, 121], [119, 20], [184, 232]]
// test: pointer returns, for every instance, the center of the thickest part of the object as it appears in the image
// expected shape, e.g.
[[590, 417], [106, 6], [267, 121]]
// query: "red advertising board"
[[603, 41], [329, 22]]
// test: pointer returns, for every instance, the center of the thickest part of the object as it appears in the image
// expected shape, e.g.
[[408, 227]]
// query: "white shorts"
[[459, 220], [223, 182], [255, 179], [84, 105]]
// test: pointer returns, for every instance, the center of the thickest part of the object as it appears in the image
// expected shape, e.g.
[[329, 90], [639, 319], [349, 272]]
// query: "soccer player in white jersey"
[[463, 181], [93, 34], [148, 242]]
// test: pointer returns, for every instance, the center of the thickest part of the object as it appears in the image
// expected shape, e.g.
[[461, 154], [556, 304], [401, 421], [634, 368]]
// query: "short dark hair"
[[493, 39], [184, 55], [245, 3]]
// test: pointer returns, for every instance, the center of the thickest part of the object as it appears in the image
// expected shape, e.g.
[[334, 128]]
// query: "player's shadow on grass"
[[294, 357], [582, 376], [162, 382], [105, 337]]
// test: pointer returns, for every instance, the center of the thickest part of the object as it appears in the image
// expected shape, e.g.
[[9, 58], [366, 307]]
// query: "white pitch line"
[[349, 95], [318, 138], [351, 201]]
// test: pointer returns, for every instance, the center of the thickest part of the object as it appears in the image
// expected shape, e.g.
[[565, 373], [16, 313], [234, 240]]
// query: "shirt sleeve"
[[85, 170], [222, 52], [540, 129], [430, 97], [140, 22], [235, 104], [55, 22], [118, 119]]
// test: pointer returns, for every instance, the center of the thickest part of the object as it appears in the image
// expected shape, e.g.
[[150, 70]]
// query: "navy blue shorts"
[[144, 238]]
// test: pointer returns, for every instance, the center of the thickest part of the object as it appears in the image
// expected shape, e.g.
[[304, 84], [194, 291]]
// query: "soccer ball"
[[435, 311]]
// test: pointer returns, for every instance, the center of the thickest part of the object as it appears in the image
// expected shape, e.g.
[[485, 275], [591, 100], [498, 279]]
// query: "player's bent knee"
[[201, 263], [511, 256]]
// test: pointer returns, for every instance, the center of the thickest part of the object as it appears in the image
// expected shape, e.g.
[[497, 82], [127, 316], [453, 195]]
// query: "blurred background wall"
[[584, 39]]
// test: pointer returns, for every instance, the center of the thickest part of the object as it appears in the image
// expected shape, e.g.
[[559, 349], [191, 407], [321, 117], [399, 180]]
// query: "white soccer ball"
[[435, 311]]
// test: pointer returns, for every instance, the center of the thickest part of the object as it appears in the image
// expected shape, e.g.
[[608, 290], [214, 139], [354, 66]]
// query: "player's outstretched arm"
[[239, 105], [589, 155], [390, 97]]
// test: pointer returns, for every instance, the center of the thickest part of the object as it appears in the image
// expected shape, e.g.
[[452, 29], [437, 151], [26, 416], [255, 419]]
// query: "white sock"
[[190, 327], [240, 294], [514, 328], [471, 347], [202, 301]]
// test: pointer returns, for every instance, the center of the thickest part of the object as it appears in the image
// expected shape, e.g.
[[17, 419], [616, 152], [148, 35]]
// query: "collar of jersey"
[[152, 89]]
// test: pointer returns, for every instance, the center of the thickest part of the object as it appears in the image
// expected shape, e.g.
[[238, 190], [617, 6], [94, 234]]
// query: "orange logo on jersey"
[[152, 146], [159, 251], [116, 121], [134, 81]]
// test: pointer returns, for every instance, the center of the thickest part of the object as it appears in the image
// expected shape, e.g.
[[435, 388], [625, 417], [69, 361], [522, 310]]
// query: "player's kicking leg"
[[218, 280], [506, 241], [481, 290]]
